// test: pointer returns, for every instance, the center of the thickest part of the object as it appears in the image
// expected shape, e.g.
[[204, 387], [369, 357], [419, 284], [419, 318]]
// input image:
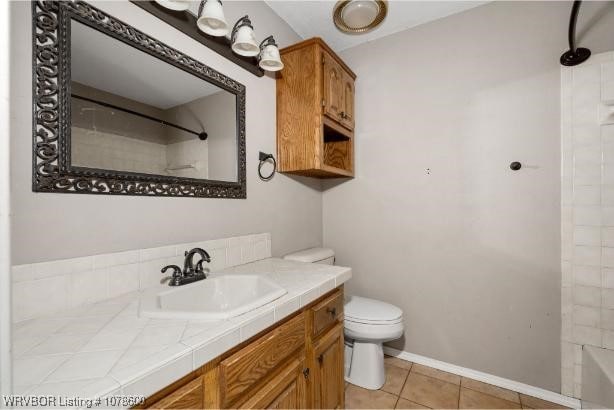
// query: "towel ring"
[[264, 158]]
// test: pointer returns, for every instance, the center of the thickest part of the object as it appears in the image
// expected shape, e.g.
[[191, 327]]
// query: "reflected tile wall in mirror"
[[132, 112]]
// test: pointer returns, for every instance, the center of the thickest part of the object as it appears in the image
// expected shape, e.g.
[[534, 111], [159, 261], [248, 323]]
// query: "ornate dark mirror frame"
[[52, 170]]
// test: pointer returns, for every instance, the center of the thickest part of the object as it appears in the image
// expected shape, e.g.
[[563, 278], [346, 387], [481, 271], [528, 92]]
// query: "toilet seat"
[[369, 319], [374, 322], [371, 312], [374, 333]]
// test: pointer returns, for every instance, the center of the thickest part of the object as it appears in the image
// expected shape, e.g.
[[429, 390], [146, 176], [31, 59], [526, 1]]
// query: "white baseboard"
[[486, 378]]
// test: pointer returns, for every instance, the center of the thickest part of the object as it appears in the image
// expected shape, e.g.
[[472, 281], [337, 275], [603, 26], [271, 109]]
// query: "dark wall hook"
[[515, 166]]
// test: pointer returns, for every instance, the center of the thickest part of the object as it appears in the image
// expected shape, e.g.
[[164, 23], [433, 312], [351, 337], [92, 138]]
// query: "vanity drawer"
[[327, 312], [189, 396], [256, 361]]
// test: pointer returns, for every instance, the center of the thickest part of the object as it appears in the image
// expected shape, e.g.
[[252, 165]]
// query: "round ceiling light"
[[359, 16]]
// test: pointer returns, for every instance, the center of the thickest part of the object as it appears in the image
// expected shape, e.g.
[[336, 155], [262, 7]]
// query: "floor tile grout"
[[496, 397], [403, 386], [460, 386], [411, 369]]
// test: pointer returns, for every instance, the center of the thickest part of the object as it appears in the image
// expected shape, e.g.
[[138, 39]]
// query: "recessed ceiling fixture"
[[359, 16]]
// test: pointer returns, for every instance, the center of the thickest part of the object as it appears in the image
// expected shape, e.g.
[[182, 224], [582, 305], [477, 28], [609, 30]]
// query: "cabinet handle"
[[342, 114], [306, 372], [332, 311], [321, 358]]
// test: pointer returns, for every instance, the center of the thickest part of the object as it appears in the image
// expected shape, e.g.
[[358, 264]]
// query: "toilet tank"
[[313, 255]]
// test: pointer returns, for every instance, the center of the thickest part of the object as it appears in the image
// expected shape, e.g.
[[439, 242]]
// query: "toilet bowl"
[[367, 324]]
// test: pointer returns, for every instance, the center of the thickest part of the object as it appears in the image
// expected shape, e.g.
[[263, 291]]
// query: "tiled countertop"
[[107, 349]]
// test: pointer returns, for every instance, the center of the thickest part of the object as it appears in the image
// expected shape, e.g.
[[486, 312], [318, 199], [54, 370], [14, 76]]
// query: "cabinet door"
[[347, 113], [333, 87], [286, 390], [328, 381]]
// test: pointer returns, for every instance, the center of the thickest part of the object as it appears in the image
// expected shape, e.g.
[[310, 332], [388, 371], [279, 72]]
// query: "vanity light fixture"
[[269, 59], [211, 18], [177, 5], [243, 40], [211, 21], [359, 16]]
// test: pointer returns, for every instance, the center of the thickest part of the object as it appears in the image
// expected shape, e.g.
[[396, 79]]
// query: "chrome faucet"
[[190, 272]]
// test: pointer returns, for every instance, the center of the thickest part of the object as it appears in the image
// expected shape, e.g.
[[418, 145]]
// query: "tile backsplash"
[[44, 288]]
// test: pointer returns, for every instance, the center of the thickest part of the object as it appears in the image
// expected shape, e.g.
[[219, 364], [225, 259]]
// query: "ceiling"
[[100, 61], [314, 18]]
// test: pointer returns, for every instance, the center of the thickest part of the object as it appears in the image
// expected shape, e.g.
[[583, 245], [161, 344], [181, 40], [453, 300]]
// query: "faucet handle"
[[176, 270]]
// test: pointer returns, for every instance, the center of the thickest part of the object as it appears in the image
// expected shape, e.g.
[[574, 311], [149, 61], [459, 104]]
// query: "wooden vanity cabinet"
[[328, 380], [260, 361], [190, 396], [325, 352], [287, 390], [315, 112], [295, 364]]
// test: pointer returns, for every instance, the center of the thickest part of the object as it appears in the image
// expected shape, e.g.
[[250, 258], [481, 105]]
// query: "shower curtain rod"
[[574, 56], [201, 135]]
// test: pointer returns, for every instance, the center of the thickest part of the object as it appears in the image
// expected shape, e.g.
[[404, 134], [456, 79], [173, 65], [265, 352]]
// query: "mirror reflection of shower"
[[125, 119]]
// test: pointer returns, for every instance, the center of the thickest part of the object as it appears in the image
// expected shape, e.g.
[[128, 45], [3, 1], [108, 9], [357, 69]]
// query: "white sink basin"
[[215, 298]]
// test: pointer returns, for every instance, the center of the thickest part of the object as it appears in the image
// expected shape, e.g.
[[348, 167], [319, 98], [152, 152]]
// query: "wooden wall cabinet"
[[338, 92], [315, 112], [296, 364]]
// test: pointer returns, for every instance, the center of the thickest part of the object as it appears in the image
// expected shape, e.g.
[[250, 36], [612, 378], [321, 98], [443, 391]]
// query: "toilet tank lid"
[[311, 255]]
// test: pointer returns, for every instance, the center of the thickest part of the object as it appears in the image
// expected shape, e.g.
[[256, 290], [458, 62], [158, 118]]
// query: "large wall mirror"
[[118, 112]]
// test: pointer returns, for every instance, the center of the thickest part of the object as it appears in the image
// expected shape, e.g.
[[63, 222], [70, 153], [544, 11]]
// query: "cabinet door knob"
[[342, 114], [306, 372], [332, 311], [321, 358]]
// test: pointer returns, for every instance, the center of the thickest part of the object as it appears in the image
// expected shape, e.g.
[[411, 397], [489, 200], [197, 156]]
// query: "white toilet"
[[368, 324]]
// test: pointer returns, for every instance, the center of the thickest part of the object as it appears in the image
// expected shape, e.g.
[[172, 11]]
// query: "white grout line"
[[486, 378]]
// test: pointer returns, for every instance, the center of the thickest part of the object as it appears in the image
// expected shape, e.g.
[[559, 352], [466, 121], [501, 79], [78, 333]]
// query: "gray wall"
[[5, 243], [471, 250], [54, 226]]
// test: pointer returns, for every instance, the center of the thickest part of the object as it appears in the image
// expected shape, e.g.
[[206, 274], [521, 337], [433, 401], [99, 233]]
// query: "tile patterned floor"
[[414, 386]]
